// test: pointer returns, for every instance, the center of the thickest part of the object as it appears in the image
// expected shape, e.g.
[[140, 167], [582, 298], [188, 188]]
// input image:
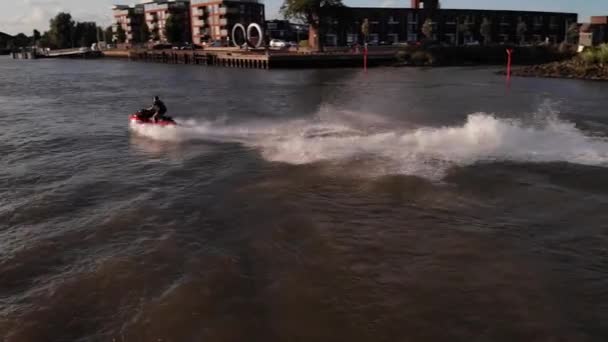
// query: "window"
[[412, 17], [352, 38], [450, 38]]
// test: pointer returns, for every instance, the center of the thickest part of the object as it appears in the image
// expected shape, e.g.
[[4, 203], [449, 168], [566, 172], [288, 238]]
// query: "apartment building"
[[130, 18], [213, 20], [157, 13]]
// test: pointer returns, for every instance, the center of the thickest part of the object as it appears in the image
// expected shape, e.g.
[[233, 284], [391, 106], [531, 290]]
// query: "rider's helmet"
[[156, 98]]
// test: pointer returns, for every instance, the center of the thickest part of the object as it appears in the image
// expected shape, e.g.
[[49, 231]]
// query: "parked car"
[[278, 44]]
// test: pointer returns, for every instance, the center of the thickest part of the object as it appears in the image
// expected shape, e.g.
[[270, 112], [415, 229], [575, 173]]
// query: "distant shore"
[[573, 69]]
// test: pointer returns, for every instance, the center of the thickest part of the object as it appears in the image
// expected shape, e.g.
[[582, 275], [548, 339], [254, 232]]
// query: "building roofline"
[[462, 9]]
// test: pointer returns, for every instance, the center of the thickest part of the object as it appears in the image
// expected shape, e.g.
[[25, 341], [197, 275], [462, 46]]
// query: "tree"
[[100, 34], [85, 34], [36, 37], [175, 28], [522, 28], [62, 29], [312, 12], [573, 33], [144, 33], [365, 30], [46, 41], [121, 35], [486, 31], [21, 40], [427, 29], [108, 35], [463, 29]]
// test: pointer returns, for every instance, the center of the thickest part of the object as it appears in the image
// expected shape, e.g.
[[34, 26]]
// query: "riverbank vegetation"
[[63, 33], [591, 64]]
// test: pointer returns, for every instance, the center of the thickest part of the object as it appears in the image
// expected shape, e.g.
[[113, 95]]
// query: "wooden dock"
[[254, 59]]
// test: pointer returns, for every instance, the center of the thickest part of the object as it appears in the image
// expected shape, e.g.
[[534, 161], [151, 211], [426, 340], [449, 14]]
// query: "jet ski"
[[144, 117]]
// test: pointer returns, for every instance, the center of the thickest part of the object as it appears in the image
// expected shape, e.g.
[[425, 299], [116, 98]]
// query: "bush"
[[303, 43], [596, 55], [422, 58], [603, 53]]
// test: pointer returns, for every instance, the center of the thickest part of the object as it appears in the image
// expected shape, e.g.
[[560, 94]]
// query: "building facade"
[[131, 19], [285, 30], [157, 13], [595, 32], [448, 26], [214, 20]]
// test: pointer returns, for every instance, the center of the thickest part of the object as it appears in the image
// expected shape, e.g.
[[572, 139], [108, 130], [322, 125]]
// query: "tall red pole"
[[509, 60]]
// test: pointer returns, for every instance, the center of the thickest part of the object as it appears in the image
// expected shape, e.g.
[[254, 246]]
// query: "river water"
[[301, 205]]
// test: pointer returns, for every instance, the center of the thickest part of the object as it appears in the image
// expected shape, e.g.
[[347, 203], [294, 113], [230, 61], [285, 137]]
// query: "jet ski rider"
[[159, 109]]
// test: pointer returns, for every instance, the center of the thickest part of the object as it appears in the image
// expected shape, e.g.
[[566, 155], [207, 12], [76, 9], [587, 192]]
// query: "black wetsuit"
[[159, 107]]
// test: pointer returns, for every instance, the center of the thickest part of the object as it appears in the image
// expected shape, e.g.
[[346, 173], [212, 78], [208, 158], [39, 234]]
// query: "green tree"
[[21, 40], [365, 30], [486, 31], [573, 33], [36, 37], [121, 35], [144, 33], [46, 41], [312, 12], [85, 34], [108, 35], [522, 28], [175, 28], [62, 29], [427, 29]]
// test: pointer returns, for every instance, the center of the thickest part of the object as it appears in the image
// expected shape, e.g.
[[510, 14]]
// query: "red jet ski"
[[144, 117]]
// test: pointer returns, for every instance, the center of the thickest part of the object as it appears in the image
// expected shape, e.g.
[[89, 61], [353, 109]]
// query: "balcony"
[[223, 22], [121, 13], [222, 11], [198, 23], [224, 33]]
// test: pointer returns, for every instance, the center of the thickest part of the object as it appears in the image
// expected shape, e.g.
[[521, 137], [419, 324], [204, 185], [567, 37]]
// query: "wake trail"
[[425, 151]]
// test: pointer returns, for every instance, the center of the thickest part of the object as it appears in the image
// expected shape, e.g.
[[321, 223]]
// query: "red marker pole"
[[509, 60]]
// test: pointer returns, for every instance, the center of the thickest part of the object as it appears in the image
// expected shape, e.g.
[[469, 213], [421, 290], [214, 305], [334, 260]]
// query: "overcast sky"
[[25, 15]]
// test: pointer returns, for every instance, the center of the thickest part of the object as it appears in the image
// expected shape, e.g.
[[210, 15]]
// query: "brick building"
[[213, 20], [595, 32], [130, 18], [157, 12], [449, 26]]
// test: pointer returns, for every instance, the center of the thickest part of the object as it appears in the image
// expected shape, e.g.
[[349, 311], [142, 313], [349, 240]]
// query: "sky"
[[27, 15]]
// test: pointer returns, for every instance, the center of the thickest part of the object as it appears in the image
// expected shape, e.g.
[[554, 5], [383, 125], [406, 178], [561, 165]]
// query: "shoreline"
[[571, 69]]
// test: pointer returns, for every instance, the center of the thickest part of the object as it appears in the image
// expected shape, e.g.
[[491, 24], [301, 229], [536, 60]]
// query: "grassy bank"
[[592, 64], [480, 55]]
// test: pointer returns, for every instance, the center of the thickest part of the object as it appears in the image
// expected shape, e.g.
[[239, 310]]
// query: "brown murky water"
[[330, 205]]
